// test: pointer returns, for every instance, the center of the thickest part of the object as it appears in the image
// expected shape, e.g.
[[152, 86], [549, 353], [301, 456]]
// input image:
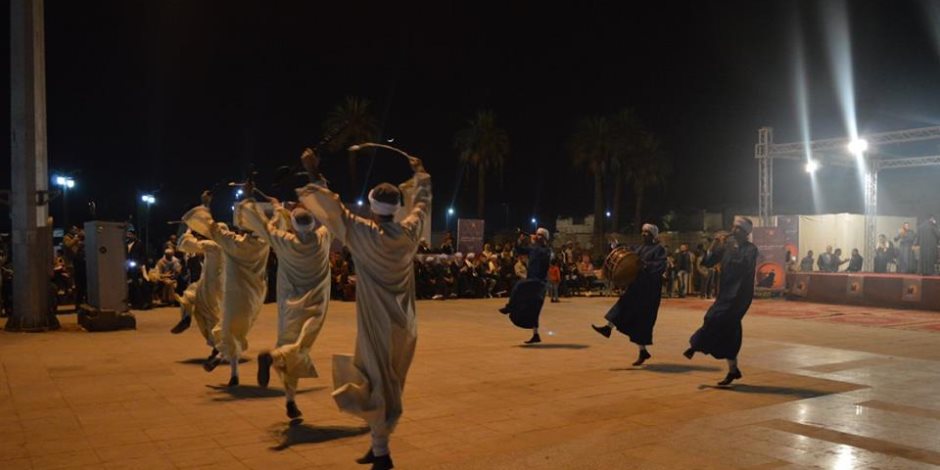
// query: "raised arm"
[[320, 201], [421, 203]]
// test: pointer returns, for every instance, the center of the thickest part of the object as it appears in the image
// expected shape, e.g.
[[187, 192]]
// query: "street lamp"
[[148, 201], [66, 183]]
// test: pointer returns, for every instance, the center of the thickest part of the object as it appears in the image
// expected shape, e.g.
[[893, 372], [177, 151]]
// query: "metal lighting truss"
[[835, 152]]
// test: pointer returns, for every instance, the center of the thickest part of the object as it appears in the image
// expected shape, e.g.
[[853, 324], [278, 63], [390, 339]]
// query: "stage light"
[[534, 221], [450, 211], [607, 214], [148, 199], [69, 183], [811, 166], [239, 193], [359, 203], [858, 147], [60, 180], [132, 264]]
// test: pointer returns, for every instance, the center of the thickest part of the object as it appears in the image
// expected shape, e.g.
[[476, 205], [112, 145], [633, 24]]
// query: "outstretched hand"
[[311, 162], [206, 198], [416, 164]]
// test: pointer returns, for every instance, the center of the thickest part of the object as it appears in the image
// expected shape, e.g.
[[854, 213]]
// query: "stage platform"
[[876, 289]]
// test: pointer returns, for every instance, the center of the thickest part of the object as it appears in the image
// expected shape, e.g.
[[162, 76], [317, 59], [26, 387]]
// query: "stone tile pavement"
[[815, 394]]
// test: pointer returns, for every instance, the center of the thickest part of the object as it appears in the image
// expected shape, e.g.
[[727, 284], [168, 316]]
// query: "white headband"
[[744, 223], [654, 230], [382, 208]]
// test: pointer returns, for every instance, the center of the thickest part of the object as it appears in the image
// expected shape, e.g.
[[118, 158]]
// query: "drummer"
[[634, 314]]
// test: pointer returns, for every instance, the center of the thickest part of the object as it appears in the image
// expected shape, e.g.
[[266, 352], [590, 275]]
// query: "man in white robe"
[[370, 383], [202, 299], [303, 294], [245, 280]]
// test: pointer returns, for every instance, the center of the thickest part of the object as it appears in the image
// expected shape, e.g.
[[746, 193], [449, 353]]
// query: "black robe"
[[720, 334], [635, 312], [906, 252], [528, 295], [927, 236]]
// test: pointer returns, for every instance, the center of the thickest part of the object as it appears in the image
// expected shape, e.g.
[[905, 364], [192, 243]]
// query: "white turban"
[[458, 255], [471, 256], [744, 223], [543, 232], [654, 230], [300, 212], [382, 208]]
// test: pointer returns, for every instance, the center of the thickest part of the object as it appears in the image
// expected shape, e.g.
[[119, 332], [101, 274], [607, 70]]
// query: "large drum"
[[622, 267]]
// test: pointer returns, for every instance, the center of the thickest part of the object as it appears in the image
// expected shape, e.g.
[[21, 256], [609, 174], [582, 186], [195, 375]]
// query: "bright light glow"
[[812, 166], [534, 221], [839, 47], [607, 214], [858, 147], [69, 183], [60, 180], [450, 211], [239, 193], [149, 199], [132, 264], [359, 202]]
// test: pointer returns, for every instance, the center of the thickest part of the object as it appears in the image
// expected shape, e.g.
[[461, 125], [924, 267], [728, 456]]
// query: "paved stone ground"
[[815, 393]]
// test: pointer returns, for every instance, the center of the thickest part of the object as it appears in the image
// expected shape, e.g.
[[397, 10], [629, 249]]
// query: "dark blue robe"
[[528, 296], [720, 335], [635, 312]]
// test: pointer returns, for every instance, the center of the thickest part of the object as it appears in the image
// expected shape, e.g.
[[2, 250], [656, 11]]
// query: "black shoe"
[[213, 354], [293, 412], [603, 330], [383, 462], [183, 325], [264, 369], [212, 363], [534, 339], [731, 377], [366, 459], [233, 382], [644, 355], [505, 310], [689, 353]]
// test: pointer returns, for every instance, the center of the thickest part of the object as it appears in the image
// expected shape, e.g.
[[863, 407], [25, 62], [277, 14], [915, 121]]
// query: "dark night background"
[[177, 95]]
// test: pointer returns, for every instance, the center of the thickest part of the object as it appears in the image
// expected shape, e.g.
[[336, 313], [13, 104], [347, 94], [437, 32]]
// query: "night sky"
[[178, 95]]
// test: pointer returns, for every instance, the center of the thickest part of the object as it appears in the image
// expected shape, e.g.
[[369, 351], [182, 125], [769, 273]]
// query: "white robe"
[[245, 279], [303, 291], [203, 299], [370, 383]]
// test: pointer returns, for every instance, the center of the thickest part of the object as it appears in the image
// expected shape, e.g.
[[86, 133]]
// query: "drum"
[[622, 267]]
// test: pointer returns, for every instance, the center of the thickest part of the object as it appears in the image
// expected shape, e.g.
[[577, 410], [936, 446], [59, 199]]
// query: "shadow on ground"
[[553, 346], [671, 368], [770, 390], [296, 434], [198, 361], [250, 392]]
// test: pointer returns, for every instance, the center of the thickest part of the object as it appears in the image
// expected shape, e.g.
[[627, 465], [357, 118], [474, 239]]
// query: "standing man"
[[806, 264], [635, 313], [825, 260], [303, 294], [245, 283], [683, 269], [720, 335], [370, 384], [528, 295], [905, 241], [884, 254], [927, 236]]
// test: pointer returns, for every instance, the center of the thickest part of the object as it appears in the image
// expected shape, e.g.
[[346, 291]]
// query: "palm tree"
[[626, 130], [590, 148], [646, 169], [354, 116], [484, 146]]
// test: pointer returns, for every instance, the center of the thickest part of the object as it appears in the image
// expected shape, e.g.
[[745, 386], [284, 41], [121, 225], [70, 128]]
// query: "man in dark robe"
[[806, 264], [927, 235], [855, 262], [905, 240], [884, 254], [528, 295], [720, 334], [635, 313]]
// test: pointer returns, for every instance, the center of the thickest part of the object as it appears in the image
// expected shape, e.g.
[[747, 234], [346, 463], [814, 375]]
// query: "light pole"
[[148, 201], [66, 183]]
